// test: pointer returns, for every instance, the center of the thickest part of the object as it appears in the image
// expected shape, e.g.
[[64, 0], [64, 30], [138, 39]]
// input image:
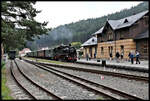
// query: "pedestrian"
[[129, 56], [122, 56], [110, 54], [132, 57], [137, 57], [90, 57], [94, 55], [87, 56], [117, 56]]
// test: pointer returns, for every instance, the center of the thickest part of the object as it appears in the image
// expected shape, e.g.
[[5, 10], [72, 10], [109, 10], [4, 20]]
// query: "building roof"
[[125, 22], [99, 31], [143, 35], [24, 51], [91, 41]]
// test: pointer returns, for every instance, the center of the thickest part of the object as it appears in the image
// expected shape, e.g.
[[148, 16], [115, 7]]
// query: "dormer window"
[[125, 21], [92, 40]]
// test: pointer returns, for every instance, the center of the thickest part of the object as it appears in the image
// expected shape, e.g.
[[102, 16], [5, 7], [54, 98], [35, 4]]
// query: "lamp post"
[[115, 43]]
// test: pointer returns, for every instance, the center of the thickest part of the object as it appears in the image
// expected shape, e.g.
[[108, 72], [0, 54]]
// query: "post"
[[115, 44]]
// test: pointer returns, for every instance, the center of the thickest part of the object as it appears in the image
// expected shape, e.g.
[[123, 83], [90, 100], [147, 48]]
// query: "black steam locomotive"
[[60, 53]]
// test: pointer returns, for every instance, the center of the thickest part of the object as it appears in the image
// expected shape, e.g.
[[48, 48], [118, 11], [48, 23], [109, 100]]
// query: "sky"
[[60, 13]]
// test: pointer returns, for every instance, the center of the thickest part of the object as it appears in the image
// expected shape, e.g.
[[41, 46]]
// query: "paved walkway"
[[143, 65]]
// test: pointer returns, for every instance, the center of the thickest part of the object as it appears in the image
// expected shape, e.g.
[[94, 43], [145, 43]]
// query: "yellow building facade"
[[90, 51], [125, 46]]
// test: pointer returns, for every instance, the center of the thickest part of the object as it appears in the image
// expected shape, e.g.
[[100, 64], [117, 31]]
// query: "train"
[[60, 53], [12, 54]]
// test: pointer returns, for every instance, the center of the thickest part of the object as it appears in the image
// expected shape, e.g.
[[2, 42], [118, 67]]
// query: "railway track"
[[28, 85], [122, 75], [107, 91]]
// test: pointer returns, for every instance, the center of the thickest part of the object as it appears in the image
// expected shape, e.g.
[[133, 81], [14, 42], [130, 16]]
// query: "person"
[[132, 57], [129, 56], [90, 57], [117, 56], [137, 57], [110, 56], [94, 55], [122, 56], [87, 56]]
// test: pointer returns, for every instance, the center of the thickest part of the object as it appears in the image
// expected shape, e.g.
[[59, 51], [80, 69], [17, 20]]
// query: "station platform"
[[143, 66]]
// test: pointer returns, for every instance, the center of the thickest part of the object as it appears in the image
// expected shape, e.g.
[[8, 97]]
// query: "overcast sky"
[[60, 13]]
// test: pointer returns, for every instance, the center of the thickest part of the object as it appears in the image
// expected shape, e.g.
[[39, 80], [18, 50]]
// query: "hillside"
[[80, 31]]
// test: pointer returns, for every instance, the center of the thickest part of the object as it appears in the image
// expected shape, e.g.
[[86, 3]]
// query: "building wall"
[[129, 45], [87, 50], [139, 27], [142, 47]]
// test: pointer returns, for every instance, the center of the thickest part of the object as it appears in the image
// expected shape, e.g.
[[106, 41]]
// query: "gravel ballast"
[[137, 88], [57, 85]]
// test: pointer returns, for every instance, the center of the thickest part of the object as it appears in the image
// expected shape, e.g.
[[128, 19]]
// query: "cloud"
[[59, 13]]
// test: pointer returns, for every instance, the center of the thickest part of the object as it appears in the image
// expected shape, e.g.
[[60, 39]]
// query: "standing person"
[[122, 56], [117, 56], [110, 56], [87, 56], [137, 57], [129, 56], [90, 57], [132, 57], [94, 55]]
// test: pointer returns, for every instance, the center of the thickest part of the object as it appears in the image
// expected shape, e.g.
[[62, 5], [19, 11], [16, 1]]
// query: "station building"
[[125, 35], [90, 47]]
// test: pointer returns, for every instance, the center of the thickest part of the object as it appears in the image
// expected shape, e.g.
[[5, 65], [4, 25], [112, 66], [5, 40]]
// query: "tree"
[[18, 23], [82, 30], [77, 45]]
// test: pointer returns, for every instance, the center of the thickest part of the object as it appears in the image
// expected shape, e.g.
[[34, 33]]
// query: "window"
[[125, 21], [93, 40], [122, 49], [121, 36], [100, 39], [96, 50], [110, 36], [110, 49], [102, 50], [85, 50], [146, 20], [90, 51], [145, 49]]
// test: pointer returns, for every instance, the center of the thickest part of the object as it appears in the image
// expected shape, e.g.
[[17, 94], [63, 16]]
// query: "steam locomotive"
[[60, 53]]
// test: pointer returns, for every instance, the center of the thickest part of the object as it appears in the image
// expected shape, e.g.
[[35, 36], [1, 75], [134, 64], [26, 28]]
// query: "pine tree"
[[18, 23]]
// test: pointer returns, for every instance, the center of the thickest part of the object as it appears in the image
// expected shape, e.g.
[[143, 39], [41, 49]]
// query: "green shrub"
[[2, 64], [5, 91]]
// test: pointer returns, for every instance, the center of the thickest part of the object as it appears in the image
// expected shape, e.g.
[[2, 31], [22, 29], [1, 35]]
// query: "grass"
[[45, 60], [5, 91], [100, 98]]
